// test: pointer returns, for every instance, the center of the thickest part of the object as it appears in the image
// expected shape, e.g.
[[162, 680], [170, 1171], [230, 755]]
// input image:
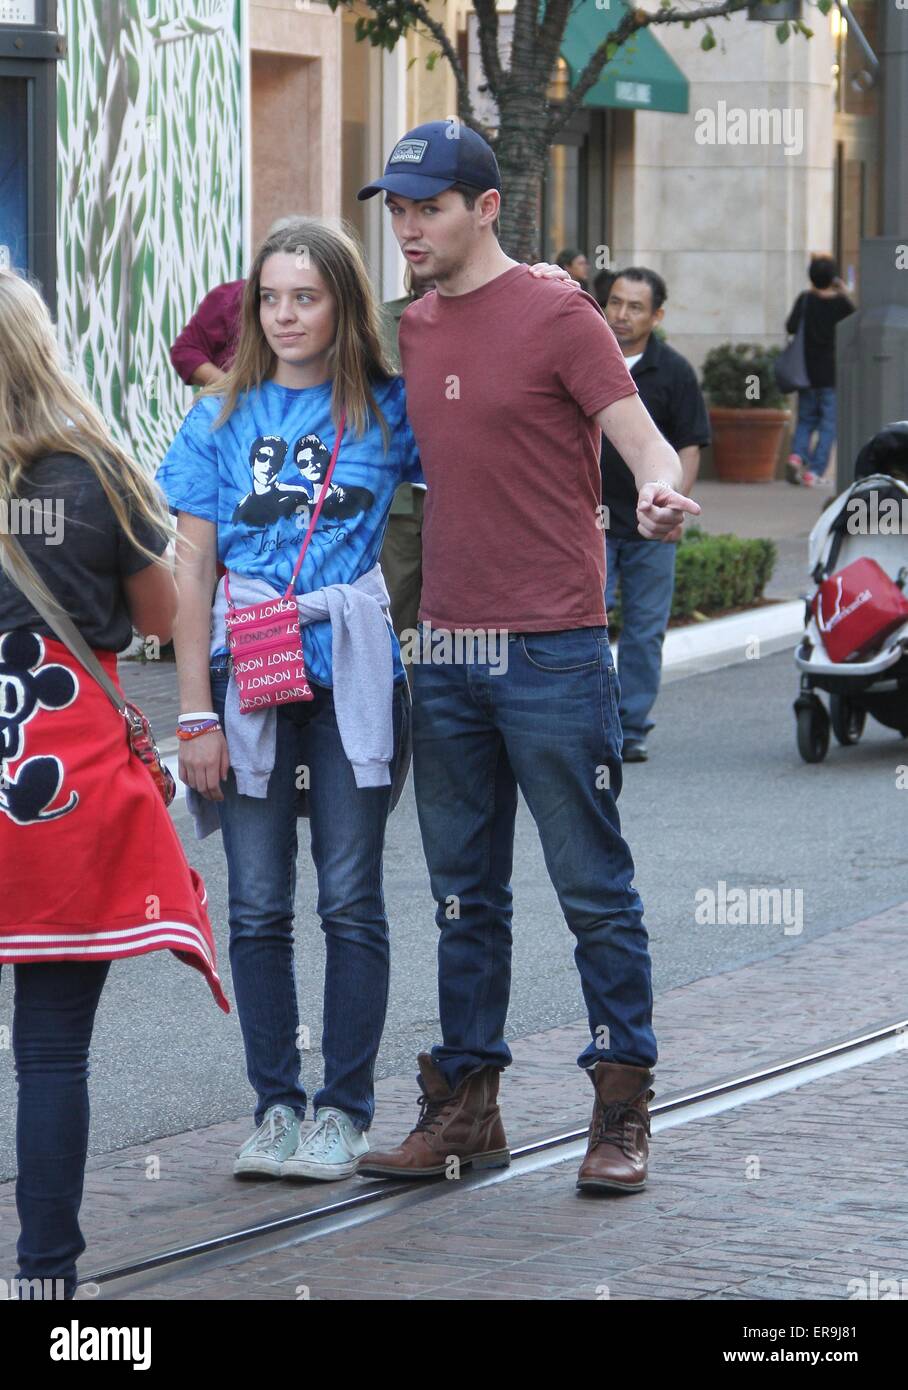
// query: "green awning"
[[641, 74]]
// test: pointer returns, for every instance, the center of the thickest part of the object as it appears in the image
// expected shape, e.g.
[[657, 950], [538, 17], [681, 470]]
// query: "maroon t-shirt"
[[502, 383], [211, 333]]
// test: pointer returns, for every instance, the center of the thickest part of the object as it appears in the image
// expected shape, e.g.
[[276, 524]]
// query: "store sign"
[[785, 10], [637, 93], [18, 12]]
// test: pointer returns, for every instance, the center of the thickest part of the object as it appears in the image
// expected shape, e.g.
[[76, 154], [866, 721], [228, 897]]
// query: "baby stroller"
[[876, 680]]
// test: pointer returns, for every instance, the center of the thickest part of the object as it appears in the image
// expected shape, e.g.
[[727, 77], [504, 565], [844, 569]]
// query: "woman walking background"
[[822, 306], [92, 867], [243, 476]]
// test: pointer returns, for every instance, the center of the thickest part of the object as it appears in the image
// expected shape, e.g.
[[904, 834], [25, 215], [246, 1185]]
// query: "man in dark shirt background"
[[645, 569], [822, 306]]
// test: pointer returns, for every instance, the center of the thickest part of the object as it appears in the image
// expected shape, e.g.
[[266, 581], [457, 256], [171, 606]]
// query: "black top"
[[81, 553], [822, 315], [670, 391]]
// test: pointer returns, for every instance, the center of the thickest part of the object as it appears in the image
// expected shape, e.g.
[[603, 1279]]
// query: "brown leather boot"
[[618, 1149], [463, 1124]]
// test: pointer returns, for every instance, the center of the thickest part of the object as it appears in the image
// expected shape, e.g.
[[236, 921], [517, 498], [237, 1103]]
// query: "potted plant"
[[747, 411]]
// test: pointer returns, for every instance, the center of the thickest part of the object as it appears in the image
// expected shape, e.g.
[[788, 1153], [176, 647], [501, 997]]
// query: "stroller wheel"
[[847, 719], [813, 732]]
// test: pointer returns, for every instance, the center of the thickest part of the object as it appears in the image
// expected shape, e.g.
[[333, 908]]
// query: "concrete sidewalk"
[[776, 511]]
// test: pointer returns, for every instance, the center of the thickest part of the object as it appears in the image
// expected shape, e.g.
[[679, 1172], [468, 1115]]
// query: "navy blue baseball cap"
[[429, 158]]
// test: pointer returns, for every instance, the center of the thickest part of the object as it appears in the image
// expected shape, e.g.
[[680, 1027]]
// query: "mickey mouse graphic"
[[341, 503], [27, 686], [269, 499]]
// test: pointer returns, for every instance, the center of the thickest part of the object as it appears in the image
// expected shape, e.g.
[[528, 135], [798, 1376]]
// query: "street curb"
[[725, 641]]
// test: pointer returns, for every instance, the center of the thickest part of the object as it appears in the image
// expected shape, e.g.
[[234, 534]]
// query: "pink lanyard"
[[312, 520]]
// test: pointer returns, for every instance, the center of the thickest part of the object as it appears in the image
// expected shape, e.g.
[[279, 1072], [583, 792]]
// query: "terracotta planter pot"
[[746, 443]]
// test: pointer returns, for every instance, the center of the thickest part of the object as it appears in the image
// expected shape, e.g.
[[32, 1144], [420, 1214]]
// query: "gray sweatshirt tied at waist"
[[362, 673]]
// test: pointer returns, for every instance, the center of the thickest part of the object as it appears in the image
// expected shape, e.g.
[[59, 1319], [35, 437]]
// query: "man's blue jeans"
[[816, 412], [548, 725], [53, 1017], [260, 841], [646, 570]]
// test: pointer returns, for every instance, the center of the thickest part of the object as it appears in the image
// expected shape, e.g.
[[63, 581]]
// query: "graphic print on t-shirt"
[[341, 503], [270, 499], [27, 686], [258, 475]]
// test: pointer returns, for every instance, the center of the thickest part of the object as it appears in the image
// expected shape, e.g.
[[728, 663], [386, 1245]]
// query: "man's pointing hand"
[[660, 511]]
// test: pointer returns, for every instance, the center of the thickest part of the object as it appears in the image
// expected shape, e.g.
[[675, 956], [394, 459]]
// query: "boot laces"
[[431, 1112], [616, 1122]]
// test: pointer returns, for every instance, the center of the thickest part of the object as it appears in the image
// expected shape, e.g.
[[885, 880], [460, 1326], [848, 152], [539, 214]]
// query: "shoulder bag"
[[265, 639], [790, 366]]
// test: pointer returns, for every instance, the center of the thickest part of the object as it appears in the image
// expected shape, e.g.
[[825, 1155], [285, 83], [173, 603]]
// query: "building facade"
[[150, 143]]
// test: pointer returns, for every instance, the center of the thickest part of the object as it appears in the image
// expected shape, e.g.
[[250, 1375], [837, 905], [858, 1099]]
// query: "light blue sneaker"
[[332, 1149], [276, 1138]]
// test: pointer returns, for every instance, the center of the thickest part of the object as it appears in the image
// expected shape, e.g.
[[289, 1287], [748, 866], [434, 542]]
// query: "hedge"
[[715, 572]]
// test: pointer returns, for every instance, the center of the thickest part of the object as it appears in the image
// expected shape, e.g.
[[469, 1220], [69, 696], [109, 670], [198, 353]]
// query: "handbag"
[[138, 730], [264, 638], [790, 367], [857, 608]]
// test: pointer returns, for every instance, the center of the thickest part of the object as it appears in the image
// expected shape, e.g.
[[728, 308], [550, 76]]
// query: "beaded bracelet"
[[188, 731]]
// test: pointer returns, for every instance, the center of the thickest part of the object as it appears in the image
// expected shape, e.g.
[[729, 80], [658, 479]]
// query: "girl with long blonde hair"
[[86, 842]]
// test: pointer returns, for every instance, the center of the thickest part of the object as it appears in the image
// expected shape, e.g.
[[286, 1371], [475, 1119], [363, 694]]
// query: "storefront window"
[[855, 94], [563, 192], [14, 145], [562, 200], [857, 138]]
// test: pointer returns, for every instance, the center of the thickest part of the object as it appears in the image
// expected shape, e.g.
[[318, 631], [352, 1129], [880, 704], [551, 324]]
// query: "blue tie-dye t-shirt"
[[259, 475]]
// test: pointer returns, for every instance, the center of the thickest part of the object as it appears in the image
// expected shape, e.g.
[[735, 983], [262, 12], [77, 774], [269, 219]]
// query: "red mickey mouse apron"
[[91, 865]]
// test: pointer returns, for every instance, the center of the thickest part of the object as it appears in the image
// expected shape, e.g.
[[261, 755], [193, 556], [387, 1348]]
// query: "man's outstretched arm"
[[656, 467]]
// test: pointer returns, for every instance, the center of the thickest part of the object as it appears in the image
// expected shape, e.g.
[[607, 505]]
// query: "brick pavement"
[[808, 994], [826, 1206]]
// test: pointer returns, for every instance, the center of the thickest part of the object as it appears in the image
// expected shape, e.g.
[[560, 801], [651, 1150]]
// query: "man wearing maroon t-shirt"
[[204, 349], [509, 381]]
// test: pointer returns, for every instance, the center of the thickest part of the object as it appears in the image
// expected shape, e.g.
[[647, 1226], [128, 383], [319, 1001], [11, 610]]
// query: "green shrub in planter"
[[716, 572], [728, 377]]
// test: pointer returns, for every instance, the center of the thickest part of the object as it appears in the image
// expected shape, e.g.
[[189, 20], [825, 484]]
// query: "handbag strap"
[[801, 309], [27, 583], [323, 492]]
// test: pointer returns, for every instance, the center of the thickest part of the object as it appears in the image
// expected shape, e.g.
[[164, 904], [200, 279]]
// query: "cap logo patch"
[[409, 152]]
